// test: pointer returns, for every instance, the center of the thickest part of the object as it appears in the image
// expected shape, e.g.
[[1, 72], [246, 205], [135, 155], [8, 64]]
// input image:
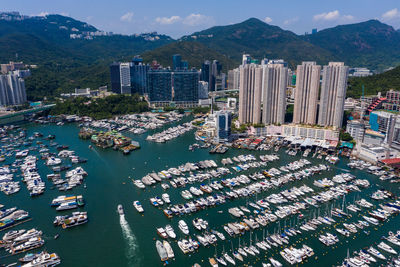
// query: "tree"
[[345, 136]]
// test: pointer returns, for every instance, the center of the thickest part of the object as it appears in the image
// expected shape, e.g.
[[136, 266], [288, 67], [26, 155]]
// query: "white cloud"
[[267, 20], [190, 20], [88, 18], [391, 14], [64, 14], [332, 16], [197, 19], [348, 17], [291, 21], [127, 17], [168, 21]]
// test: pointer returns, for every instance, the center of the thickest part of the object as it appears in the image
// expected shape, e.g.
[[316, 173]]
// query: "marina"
[[180, 207]]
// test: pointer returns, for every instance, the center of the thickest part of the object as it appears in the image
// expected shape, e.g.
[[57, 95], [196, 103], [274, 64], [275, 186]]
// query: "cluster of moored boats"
[[136, 123], [11, 217], [20, 241], [248, 185], [170, 133], [385, 252], [264, 216], [210, 194]]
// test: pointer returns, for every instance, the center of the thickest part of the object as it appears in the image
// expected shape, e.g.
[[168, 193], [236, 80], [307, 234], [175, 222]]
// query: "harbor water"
[[110, 239]]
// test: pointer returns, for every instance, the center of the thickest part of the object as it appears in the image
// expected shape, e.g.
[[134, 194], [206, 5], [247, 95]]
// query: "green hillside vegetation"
[[373, 84], [369, 44], [260, 40], [194, 53], [65, 64], [101, 108]]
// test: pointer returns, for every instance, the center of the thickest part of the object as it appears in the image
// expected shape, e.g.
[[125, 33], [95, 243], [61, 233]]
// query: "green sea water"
[[109, 240]]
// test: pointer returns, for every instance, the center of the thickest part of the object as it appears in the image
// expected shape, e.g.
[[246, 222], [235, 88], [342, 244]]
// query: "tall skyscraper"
[[233, 79], [180, 86], [159, 85], [176, 62], [12, 90], [306, 94], [210, 72], [129, 77], [224, 121], [203, 90], [186, 86], [125, 75], [333, 94], [250, 93], [217, 79], [115, 78], [274, 93], [205, 71], [138, 75]]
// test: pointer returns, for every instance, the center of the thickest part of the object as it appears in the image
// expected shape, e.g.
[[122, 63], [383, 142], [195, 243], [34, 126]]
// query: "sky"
[[182, 17]]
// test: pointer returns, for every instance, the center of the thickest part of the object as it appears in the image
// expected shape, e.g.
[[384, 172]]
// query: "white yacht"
[[44, 259], [139, 184], [138, 206], [275, 263], [170, 231], [376, 253], [165, 197], [229, 259], [168, 248], [387, 248], [183, 226]]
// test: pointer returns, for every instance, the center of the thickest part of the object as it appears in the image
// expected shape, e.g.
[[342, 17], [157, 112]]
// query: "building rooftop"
[[391, 161], [374, 133]]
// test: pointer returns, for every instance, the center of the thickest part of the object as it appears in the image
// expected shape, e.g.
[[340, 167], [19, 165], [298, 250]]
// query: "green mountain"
[[368, 44], [260, 40], [195, 53], [53, 32], [382, 82], [65, 63], [70, 53]]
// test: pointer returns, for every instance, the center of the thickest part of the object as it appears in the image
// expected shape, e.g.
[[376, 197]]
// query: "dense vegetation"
[[259, 40], [373, 84], [369, 44], [194, 53], [65, 64], [100, 108]]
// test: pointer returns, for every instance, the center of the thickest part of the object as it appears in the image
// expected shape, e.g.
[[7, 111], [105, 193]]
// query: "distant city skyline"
[[177, 18]]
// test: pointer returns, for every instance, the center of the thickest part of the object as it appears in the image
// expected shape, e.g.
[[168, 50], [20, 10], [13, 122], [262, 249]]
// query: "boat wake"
[[132, 248]]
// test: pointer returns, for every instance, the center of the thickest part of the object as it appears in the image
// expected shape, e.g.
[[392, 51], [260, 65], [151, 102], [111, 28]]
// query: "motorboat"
[[168, 248], [162, 252], [120, 209], [138, 206], [183, 227], [170, 231]]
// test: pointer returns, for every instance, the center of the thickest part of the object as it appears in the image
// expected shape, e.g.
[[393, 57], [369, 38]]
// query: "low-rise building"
[[374, 154], [373, 137], [296, 131]]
